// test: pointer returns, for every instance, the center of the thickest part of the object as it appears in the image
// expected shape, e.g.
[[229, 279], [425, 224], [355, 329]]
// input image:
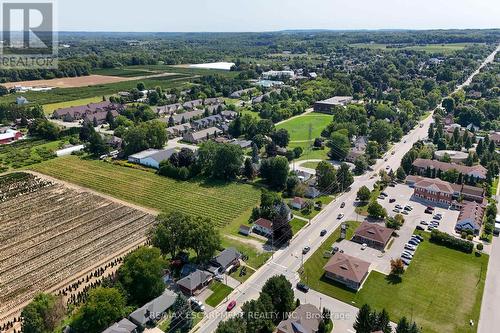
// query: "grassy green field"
[[220, 292], [152, 69], [297, 225], [494, 186], [218, 201], [309, 153], [122, 72], [441, 290], [70, 94], [50, 108], [306, 127], [431, 48], [256, 258], [325, 199], [310, 165], [27, 152]]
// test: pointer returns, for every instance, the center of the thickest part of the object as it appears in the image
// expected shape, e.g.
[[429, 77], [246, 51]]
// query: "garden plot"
[[50, 234]]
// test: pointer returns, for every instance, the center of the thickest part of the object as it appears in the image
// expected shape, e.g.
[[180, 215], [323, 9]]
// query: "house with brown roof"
[[305, 319], [298, 203], [372, 234], [470, 218], [263, 226], [421, 165], [347, 270]]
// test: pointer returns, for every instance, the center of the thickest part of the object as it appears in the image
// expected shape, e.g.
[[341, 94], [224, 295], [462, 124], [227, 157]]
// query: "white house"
[[263, 226]]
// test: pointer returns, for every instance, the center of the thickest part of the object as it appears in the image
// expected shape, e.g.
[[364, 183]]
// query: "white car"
[[410, 247], [364, 246], [407, 262], [196, 304], [340, 216]]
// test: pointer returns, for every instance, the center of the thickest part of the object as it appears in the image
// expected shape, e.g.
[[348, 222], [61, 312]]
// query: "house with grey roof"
[[205, 134], [178, 130], [185, 117], [228, 258], [75, 113], [168, 109], [123, 326], [305, 319], [151, 157], [191, 105], [154, 310], [209, 121], [195, 282]]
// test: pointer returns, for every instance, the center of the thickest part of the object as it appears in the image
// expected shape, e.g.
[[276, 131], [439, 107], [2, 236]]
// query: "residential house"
[[178, 130], [75, 113], [151, 157], [298, 203], [228, 114], [99, 118], [123, 326], [154, 310], [191, 105], [184, 117], [263, 226], [421, 165], [225, 261], [8, 135], [21, 100], [358, 150], [347, 270], [372, 234], [215, 108], [306, 318], [242, 143], [168, 109], [240, 93], [328, 105], [206, 122], [195, 282], [200, 136], [495, 137], [278, 75], [213, 101]]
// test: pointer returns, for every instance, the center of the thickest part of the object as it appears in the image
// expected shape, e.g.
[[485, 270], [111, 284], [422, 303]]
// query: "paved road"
[[287, 261]]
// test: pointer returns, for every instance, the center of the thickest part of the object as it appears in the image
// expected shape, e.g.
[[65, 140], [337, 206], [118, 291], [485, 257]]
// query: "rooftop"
[[348, 267]]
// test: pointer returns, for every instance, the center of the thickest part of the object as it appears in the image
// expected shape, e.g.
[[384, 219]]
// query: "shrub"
[[441, 238], [479, 247]]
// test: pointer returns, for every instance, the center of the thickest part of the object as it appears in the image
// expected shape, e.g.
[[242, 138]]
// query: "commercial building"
[[372, 234], [347, 270], [328, 105]]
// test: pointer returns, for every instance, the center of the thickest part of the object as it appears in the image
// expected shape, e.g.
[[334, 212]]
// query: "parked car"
[[392, 200], [399, 206], [340, 216], [416, 240], [431, 227], [419, 227], [335, 249], [424, 223], [364, 246], [387, 167], [323, 232], [302, 287], [408, 253], [231, 305], [381, 197], [409, 208], [306, 249], [430, 208], [404, 212], [407, 262], [342, 205], [196, 304], [428, 211], [418, 237], [410, 247], [384, 194], [413, 242], [396, 210], [406, 256], [437, 217]]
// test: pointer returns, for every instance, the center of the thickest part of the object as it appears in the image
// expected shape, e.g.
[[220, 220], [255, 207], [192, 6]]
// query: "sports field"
[[306, 127], [219, 201]]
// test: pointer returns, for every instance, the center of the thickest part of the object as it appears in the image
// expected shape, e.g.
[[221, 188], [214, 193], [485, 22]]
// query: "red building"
[[8, 135]]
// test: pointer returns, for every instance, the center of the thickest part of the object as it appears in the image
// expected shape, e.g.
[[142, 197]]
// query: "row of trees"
[[368, 321]]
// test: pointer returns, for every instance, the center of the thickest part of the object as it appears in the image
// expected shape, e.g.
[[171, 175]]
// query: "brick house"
[[347, 270], [372, 234]]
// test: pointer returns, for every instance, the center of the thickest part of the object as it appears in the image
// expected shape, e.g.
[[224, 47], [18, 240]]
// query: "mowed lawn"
[[306, 127], [220, 292], [441, 289], [48, 109], [219, 201]]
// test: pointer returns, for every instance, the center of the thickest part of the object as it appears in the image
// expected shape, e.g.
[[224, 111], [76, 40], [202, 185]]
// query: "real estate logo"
[[28, 36]]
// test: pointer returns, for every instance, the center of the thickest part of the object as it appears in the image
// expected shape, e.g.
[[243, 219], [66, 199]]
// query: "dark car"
[[392, 200], [342, 205], [428, 211], [302, 287], [322, 233], [419, 227]]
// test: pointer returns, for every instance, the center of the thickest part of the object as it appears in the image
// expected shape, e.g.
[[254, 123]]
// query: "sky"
[[272, 15]]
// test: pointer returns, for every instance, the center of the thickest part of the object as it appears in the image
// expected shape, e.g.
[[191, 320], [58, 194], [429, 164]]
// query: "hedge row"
[[451, 242]]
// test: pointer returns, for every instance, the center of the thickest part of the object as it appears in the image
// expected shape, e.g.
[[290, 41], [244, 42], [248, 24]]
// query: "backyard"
[[306, 127], [460, 276]]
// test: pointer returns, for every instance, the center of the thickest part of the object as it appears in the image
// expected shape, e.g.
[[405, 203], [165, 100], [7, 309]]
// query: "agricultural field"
[[140, 70], [219, 201], [306, 127], [52, 234], [48, 109], [27, 152], [58, 95]]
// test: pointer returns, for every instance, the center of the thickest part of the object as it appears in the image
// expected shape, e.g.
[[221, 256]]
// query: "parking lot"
[[403, 195]]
